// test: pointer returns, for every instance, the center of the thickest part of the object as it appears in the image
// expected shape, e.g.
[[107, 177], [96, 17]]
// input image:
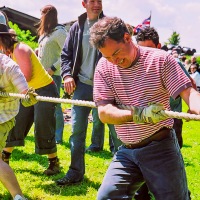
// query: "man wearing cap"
[[11, 80]]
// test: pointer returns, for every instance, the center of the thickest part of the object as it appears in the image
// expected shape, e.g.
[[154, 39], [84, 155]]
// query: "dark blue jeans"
[[79, 116], [58, 112], [159, 164], [97, 139]]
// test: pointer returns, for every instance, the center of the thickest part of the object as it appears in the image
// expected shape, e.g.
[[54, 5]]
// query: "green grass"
[[29, 168]]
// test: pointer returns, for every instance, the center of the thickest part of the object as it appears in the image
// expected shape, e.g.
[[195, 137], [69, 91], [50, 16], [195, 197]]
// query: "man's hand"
[[50, 72], [69, 85], [150, 114], [29, 99]]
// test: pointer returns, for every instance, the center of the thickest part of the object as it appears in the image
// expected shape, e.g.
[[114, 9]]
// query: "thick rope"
[[52, 99], [170, 114]]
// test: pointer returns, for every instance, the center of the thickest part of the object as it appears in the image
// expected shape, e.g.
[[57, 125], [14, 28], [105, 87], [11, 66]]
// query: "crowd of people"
[[97, 60]]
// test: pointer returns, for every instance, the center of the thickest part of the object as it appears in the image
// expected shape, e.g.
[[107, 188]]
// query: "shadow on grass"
[[80, 189], [5, 196], [188, 162], [102, 154], [21, 155], [187, 146]]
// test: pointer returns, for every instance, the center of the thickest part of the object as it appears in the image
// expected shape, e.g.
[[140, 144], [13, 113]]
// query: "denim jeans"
[[98, 130], [97, 139], [159, 164], [79, 116], [113, 137], [59, 113]]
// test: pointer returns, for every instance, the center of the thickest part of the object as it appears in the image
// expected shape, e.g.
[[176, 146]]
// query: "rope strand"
[[170, 114]]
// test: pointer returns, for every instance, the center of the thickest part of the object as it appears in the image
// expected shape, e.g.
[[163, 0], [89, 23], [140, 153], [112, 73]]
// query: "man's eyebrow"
[[112, 54]]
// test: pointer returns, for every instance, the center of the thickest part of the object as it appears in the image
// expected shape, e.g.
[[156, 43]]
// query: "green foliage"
[[174, 39], [24, 36], [198, 60]]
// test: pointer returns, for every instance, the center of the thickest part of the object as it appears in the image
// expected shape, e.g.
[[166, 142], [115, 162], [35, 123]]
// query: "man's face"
[[93, 8], [119, 53], [193, 59], [147, 43], [193, 69]]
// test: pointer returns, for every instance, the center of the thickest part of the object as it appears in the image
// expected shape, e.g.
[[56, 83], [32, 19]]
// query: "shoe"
[[54, 168], [66, 181], [93, 149], [58, 142], [4, 158], [19, 197]]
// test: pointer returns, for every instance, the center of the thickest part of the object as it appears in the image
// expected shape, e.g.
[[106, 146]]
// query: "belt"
[[157, 136]]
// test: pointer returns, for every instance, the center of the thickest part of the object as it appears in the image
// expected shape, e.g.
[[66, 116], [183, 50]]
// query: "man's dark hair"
[[148, 33], [107, 27]]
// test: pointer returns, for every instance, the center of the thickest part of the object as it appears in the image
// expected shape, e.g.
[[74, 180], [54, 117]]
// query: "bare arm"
[[22, 54], [112, 115], [193, 83], [192, 99]]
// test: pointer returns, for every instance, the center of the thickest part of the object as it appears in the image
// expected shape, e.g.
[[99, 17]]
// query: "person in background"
[[193, 60], [11, 80], [78, 62], [41, 114], [148, 37], [150, 151], [195, 75], [187, 64], [51, 39]]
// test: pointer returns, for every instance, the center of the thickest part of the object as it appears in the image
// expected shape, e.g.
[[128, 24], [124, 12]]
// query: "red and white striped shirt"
[[153, 78]]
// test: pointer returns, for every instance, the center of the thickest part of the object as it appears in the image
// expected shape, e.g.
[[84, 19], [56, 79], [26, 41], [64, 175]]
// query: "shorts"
[[4, 130]]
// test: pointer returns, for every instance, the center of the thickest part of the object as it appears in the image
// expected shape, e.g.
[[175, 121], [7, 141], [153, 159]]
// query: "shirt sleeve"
[[174, 78], [60, 36], [17, 78], [103, 93]]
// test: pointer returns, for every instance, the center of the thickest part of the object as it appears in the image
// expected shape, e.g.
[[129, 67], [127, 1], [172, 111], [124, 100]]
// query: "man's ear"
[[127, 37], [83, 4], [159, 46]]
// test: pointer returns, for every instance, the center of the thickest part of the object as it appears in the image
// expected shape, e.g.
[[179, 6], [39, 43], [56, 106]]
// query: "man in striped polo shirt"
[[138, 76]]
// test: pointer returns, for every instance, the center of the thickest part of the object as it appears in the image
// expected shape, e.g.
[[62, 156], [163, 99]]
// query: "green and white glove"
[[151, 114], [29, 99]]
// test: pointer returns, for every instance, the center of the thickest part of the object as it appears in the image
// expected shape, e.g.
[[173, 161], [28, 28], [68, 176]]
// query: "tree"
[[24, 36], [174, 39]]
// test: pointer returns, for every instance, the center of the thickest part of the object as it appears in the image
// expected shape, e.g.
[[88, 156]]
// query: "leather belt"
[[157, 136]]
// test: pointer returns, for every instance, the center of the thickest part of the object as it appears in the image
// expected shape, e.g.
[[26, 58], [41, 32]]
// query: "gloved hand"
[[150, 114], [29, 99]]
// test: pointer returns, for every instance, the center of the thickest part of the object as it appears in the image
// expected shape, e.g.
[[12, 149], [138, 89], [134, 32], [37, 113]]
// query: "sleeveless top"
[[40, 77]]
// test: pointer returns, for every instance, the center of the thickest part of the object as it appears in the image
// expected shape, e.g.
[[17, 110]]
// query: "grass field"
[[29, 168]]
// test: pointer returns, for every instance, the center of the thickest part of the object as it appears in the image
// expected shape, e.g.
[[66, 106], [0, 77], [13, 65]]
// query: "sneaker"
[[66, 181], [93, 149], [54, 168], [19, 197]]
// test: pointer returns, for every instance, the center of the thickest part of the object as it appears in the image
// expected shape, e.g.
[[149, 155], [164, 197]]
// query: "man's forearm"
[[110, 114]]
